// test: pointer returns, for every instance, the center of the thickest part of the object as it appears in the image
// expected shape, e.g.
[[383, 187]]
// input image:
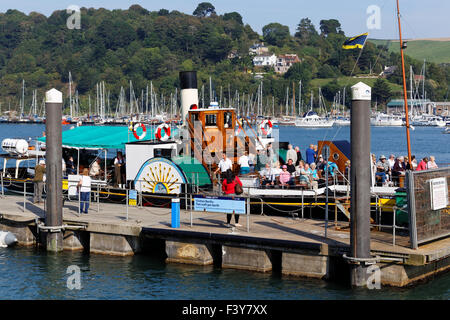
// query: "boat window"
[[194, 117], [164, 153], [227, 120], [211, 119]]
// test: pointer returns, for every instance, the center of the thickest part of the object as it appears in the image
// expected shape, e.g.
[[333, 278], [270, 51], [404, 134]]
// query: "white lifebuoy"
[[144, 131], [263, 127], [166, 128]]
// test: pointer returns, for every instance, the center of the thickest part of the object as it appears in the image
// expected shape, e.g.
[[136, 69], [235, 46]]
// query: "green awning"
[[102, 137], [193, 169]]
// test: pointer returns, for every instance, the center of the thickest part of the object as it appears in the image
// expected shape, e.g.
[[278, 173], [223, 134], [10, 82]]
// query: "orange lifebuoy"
[[166, 128], [144, 131]]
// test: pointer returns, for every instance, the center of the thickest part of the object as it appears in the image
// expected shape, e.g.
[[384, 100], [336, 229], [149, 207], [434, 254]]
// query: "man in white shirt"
[[391, 161], [244, 163], [267, 175], [224, 165], [291, 154]]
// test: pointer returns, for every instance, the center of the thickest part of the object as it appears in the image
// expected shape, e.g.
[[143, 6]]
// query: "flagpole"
[[404, 87]]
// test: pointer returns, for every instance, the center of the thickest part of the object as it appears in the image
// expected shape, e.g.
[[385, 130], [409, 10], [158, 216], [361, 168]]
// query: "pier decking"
[[293, 245]]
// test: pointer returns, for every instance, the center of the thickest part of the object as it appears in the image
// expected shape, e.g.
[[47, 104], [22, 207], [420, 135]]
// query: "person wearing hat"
[[382, 169], [38, 181], [285, 177]]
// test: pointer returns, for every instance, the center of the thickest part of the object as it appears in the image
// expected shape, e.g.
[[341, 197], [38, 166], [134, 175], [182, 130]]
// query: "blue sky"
[[421, 19]]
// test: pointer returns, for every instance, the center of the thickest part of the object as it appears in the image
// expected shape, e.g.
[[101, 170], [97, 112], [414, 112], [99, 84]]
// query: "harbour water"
[[29, 273]]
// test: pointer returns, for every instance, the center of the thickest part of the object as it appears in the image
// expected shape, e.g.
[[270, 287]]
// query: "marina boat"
[[386, 120], [312, 120], [286, 121], [446, 130], [428, 120], [342, 121]]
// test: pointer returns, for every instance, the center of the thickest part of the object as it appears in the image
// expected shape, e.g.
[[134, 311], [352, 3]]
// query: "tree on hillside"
[[204, 9], [299, 72], [331, 26], [233, 16], [330, 90], [381, 92], [276, 34], [305, 30]]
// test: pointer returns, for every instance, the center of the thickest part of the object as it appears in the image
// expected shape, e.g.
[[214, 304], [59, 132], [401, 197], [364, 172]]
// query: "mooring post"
[[360, 183], [53, 155]]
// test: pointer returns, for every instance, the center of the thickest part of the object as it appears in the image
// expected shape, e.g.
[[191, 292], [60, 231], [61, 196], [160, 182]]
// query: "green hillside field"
[[350, 81], [437, 51]]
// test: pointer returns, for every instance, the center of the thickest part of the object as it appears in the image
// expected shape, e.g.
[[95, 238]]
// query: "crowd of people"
[[295, 171], [388, 171]]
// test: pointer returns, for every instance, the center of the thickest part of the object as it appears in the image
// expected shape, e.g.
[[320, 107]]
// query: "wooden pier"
[[292, 246]]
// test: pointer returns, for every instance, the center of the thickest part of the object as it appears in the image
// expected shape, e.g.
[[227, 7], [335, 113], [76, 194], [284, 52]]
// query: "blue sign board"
[[132, 198], [219, 204]]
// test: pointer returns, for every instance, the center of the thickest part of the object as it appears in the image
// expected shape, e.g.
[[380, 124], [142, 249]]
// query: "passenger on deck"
[[382, 170], [310, 154], [399, 167], [244, 163], [252, 162], [413, 162], [96, 170], [276, 170], [267, 176], [347, 169], [270, 154], [377, 171], [432, 164], [291, 154], [119, 162], [316, 152], [313, 176], [422, 164], [320, 164], [299, 155], [290, 167], [285, 177], [304, 173], [224, 165], [70, 166], [391, 161]]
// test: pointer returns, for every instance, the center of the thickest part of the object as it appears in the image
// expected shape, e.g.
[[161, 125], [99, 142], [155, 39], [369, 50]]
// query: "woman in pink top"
[[285, 177]]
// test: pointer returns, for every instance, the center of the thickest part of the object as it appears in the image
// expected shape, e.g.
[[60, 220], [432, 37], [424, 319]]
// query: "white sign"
[[439, 193]]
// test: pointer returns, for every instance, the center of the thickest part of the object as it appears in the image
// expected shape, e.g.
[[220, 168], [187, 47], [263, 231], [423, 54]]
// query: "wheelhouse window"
[[227, 120], [211, 120]]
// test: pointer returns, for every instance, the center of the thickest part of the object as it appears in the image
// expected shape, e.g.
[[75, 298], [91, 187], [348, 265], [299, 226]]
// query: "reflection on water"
[[29, 273]]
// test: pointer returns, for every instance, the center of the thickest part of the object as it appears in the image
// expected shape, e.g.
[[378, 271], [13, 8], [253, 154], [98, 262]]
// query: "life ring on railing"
[[265, 131], [144, 131], [159, 129]]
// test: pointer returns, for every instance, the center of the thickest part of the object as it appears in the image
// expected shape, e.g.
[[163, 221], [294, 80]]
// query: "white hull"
[[384, 120]]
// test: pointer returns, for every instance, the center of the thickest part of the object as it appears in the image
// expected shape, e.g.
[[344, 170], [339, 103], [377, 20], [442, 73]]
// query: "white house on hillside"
[[268, 59]]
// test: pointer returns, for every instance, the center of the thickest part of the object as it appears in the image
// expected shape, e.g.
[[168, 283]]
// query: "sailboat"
[[312, 120]]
